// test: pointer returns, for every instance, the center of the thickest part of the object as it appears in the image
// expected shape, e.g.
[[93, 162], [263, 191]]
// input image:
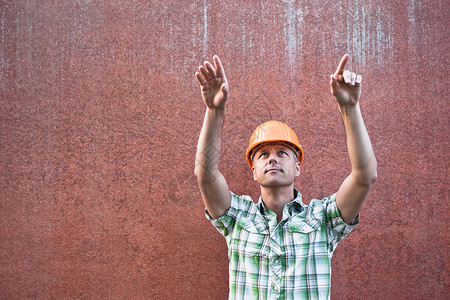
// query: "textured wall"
[[100, 115]]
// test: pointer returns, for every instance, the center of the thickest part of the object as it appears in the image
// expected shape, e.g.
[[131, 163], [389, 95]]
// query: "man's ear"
[[253, 170], [297, 169]]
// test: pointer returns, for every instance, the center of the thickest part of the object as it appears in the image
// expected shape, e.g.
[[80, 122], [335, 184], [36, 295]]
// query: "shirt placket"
[[275, 261]]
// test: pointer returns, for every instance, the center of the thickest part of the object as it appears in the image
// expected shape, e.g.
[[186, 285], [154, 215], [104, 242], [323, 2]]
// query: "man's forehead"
[[273, 144]]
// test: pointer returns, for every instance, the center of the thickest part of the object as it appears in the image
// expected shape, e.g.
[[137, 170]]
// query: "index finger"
[[219, 67], [340, 68]]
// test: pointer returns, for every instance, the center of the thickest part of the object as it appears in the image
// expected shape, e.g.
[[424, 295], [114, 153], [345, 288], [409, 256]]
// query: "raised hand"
[[345, 85], [213, 83]]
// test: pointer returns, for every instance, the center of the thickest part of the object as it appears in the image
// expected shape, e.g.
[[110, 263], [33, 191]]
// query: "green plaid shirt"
[[288, 260]]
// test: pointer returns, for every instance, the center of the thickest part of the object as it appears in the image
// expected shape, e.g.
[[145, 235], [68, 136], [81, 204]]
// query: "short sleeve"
[[337, 229], [239, 208]]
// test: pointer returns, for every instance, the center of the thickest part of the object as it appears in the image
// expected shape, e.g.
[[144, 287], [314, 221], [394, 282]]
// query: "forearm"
[[209, 145], [362, 157]]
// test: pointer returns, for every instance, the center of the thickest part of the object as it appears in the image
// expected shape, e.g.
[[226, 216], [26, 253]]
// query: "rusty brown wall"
[[100, 114]]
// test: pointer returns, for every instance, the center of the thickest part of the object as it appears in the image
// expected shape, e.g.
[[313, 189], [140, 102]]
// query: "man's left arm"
[[346, 88]]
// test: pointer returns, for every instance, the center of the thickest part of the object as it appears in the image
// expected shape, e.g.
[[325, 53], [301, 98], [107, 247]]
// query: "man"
[[280, 248]]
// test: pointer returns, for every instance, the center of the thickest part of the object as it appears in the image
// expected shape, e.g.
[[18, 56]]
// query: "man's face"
[[274, 165]]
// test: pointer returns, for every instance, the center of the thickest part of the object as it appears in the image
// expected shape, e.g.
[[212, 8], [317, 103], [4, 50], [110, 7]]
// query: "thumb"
[[334, 86], [333, 81]]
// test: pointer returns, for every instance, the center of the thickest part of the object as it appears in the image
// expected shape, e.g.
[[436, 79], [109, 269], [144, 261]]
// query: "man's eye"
[[283, 152], [263, 155]]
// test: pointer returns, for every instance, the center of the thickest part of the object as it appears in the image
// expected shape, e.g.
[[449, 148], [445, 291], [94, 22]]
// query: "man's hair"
[[295, 155]]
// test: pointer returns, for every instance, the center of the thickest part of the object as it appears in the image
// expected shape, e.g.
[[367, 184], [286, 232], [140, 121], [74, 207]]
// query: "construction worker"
[[280, 248]]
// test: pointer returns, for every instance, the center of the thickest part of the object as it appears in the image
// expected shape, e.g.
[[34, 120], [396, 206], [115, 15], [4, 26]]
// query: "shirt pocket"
[[249, 238], [302, 238], [301, 224]]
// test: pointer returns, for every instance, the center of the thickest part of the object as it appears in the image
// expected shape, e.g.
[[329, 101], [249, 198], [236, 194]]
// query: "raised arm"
[[346, 88], [213, 186]]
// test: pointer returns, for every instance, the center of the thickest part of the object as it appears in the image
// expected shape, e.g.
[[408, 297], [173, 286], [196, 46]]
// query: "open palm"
[[213, 83]]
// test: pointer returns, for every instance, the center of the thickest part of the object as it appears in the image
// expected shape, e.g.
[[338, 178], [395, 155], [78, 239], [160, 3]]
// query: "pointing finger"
[[340, 68]]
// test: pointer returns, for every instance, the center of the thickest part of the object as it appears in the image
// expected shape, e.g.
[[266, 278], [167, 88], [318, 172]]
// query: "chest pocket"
[[249, 238], [303, 238], [302, 225]]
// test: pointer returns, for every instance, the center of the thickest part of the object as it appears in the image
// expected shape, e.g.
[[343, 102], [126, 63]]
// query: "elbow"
[[199, 170], [366, 178], [369, 173], [373, 178], [196, 171], [200, 174], [373, 174]]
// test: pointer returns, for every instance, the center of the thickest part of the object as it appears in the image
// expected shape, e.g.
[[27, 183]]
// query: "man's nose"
[[272, 158]]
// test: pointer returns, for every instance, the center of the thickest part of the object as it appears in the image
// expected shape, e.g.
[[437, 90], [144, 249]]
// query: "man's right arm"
[[213, 186]]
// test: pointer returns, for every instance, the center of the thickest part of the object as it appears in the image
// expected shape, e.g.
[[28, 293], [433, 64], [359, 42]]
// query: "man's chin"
[[274, 184]]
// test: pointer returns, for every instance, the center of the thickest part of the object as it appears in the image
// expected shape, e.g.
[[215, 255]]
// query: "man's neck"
[[276, 198]]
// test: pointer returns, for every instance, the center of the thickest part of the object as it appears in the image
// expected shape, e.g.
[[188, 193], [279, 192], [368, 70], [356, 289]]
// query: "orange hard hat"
[[273, 131]]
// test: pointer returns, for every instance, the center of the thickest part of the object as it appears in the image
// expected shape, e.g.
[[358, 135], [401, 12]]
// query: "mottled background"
[[100, 115]]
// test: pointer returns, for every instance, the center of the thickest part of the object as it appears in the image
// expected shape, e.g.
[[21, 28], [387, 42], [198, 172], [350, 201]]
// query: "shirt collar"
[[297, 202]]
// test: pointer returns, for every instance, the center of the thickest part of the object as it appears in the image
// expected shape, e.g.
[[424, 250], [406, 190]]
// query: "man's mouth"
[[273, 170]]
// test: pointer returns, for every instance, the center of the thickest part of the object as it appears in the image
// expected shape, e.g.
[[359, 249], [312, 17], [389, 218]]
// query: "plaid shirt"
[[288, 260]]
